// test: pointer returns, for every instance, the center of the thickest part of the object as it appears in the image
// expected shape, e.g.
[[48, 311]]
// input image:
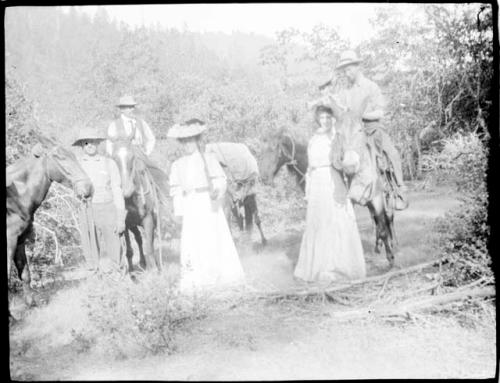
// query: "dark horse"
[[366, 186], [284, 151], [141, 203], [28, 182]]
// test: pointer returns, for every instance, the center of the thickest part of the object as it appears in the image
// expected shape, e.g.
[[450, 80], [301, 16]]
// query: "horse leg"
[[376, 220], [23, 271], [11, 250], [383, 221], [138, 239], [389, 218], [148, 244], [255, 215], [129, 253]]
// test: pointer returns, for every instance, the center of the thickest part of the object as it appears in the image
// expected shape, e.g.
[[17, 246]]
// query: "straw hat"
[[190, 128], [348, 58], [88, 134], [126, 101]]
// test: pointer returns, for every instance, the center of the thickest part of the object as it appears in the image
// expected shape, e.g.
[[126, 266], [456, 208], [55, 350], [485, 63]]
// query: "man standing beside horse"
[[362, 93], [102, 220]]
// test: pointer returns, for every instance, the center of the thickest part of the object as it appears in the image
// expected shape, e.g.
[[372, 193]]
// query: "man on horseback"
[[128, 127], [354, 98]]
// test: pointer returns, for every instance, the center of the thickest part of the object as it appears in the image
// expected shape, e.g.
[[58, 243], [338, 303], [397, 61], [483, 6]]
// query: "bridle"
[[291, 161], [49, 156]]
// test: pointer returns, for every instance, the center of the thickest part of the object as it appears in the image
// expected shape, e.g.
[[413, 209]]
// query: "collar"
[[97, 157], [361, 79], [125, 118]]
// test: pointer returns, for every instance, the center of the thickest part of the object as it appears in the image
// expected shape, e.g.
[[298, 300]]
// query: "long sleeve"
[[176, 191], [111, 134], [116, 189], [148, 139], [376, 103]]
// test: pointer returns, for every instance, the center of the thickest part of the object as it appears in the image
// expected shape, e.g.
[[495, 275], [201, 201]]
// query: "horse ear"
[[37, 150], [47, 141]]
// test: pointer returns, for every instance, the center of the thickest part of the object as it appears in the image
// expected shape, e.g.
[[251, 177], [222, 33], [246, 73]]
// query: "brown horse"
[[141, 203], [28, 182], [284, 151], [351, 140]]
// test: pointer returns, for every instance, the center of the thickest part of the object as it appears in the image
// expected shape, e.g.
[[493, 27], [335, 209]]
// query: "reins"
[[291, 158]]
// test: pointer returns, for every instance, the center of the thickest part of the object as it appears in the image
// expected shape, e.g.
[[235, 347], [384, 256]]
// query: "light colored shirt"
[[147, 141], [188, 174], [236, 157], [352, 98], [105, 177]]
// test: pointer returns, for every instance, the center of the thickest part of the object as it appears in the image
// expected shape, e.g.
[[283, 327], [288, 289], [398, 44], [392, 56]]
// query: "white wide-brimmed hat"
[[348, 58], [126, 101], [190, 128]]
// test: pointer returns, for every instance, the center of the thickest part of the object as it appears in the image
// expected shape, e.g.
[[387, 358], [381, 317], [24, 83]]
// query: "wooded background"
[[67, 70]]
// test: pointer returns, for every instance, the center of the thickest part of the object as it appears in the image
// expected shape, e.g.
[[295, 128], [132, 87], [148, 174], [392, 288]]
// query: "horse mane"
[[20, 168]]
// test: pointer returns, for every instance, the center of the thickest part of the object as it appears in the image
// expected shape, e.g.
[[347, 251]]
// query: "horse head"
[[350, 152], [283, 150], [63, 166], [272, 159], [125, 158]]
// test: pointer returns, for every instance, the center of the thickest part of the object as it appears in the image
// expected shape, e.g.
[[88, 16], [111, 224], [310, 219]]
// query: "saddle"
[[385, 168]]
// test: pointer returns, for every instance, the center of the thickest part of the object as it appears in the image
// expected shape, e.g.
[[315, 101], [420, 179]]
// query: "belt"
[[197, 190], [320, 166], [369, 121]]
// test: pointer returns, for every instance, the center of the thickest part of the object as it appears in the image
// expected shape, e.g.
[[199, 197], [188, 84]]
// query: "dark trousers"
[[108, 241]]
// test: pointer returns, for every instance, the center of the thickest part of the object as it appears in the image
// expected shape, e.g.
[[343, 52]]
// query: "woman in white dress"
[[197, 185], [331, 246]]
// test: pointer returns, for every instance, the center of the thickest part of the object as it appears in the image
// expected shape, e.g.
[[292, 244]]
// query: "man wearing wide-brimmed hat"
[[359, 90], [128, 127], [107, 213], [197, 186]]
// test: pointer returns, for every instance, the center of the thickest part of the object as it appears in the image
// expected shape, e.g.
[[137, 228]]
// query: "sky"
[[351, 19]]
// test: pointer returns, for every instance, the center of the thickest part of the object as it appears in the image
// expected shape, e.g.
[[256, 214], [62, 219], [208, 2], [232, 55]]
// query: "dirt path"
[[259, 341], [271, 268]]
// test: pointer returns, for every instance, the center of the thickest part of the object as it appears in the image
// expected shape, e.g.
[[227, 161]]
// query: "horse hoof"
[[264, 242], [377, 250]]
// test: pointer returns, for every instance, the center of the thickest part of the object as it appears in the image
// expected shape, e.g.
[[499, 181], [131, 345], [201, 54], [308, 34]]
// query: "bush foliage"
[[133, 320], [465, 231]]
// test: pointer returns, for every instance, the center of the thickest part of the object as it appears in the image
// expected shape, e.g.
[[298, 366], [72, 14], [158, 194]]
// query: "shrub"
[[462, 161], [465, 231], [130, 319]]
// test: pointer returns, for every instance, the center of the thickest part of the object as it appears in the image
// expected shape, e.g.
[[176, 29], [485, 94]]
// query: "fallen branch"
[[422, 304], [348, 284]]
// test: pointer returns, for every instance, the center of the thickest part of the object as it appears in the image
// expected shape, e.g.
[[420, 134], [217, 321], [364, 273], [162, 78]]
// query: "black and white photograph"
[[251, 191]]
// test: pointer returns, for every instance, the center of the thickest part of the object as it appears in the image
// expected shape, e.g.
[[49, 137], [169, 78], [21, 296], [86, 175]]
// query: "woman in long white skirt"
[[197, 185], [331, 246]]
